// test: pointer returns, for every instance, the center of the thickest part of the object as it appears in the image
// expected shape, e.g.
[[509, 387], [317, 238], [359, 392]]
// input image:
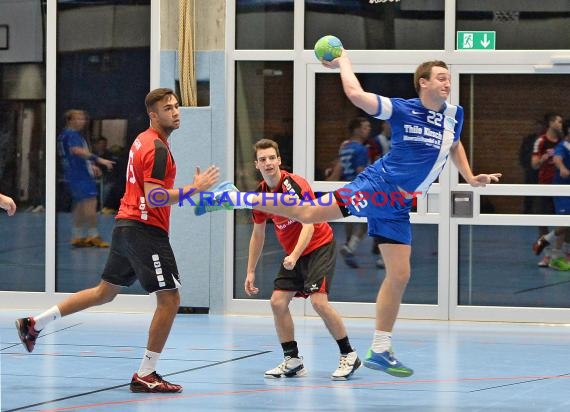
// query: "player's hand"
[[335, 63], [249, 285], [483, 180], [107, 163], [289, 262], [203, 181], [8, 204]]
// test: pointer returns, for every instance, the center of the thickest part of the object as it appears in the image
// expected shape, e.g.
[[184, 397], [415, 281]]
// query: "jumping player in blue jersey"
[[425, 132]]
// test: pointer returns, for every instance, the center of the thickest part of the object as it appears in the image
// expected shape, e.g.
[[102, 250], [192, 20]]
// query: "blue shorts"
[[82, 189], [562, 205], [382, 203]]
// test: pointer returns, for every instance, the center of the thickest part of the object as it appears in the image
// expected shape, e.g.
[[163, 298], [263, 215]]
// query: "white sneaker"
[[346, 366], [289, 368]]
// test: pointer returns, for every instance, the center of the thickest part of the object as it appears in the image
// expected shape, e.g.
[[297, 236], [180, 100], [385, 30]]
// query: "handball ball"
[[328, 48]]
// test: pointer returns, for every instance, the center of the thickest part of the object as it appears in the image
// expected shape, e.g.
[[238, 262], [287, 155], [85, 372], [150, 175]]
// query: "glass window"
[[364, 25], [519, 24], [264, 24], [98, 47], [499, 134], [22, 144], [334, 112], [264, 109], [348, 284], [483, 253]]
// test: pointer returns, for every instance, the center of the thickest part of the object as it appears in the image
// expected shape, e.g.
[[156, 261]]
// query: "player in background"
[[307, 269]]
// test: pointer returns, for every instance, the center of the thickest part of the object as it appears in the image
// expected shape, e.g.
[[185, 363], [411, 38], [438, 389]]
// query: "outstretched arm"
[[459, 158], [351, 86]]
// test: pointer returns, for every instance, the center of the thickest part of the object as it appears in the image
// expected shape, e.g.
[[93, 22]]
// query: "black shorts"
[[142, 252], [312, 273]]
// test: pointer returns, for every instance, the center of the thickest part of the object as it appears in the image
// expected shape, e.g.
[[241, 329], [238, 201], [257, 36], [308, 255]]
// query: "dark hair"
[[265, 144], [423, 71], [548, 117], [356, 123], [157, 95]]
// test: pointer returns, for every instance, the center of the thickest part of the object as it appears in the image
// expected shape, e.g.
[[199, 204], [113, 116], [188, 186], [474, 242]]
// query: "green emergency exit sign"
[[475, 40]]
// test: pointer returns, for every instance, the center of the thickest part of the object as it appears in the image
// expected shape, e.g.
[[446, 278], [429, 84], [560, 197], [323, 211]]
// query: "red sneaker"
[[27, 333], [153, 383], [539, 245]]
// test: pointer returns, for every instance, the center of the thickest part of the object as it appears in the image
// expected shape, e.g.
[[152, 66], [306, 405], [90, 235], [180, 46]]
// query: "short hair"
[[265, 144], [423, 71], [356, 123], [549, 117], [157, 95], [69, 114]]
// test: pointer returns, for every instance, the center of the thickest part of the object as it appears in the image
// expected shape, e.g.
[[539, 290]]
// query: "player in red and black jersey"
[[306, 271], [140, 247]]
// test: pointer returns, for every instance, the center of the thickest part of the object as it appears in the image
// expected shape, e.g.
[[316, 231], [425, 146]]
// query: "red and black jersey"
[[150, 161], [288, 230], [547, 170]]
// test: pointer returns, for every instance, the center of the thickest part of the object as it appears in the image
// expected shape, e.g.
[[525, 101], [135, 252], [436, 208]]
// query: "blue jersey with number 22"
[[421, 140]]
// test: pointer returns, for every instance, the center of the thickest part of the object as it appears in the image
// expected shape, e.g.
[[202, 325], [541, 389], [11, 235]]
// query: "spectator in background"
[[80, 168], [353, 158], [558, 253], [543, 161]]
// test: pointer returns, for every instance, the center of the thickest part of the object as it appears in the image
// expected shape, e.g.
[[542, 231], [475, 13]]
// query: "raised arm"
[[365, 100]]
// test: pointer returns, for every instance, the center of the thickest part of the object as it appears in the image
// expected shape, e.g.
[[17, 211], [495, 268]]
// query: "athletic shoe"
[[348, 256], [289, 368], [27, 333], [347, 365], [153, 383], [539, 245], [559, 264], [214, 204], [79, 242], [96, 241], [386, 362], [544, 262]]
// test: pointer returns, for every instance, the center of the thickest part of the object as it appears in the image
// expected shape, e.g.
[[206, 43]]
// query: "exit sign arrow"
[[476, 40]]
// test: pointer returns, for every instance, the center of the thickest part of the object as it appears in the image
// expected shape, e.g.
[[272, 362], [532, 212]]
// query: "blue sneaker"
[[386, 362], [213, 204]]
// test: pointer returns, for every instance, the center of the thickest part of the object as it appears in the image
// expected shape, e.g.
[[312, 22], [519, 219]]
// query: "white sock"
[[148, 363], [92, 232], [550, 237], [46, 317], [382, 341]]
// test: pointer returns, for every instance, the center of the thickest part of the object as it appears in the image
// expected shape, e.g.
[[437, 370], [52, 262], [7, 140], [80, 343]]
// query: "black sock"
[[290, 349], [344, 346]]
